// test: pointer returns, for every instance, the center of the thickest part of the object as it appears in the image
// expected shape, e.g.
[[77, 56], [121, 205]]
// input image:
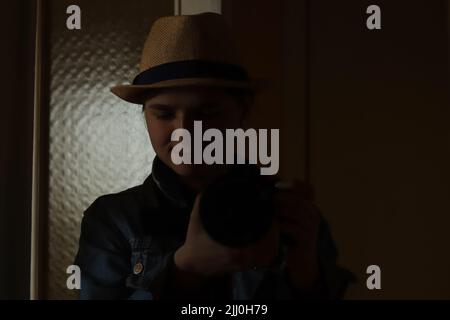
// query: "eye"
[[209, 111], [163, 114]]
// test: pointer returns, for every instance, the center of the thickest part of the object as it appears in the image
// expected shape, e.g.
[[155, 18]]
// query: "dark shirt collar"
[[170, 185]]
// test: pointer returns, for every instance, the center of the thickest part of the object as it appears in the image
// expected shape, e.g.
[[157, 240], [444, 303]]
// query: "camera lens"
[[237, 211]]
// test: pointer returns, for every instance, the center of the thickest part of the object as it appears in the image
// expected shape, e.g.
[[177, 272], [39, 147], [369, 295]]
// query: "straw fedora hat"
[[189, 50]]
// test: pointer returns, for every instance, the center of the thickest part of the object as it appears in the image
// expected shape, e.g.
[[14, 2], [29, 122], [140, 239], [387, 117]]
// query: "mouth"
[[180, 152]]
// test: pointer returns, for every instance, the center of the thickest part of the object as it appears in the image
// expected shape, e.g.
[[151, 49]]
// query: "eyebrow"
[[208, 104], [159, 106]]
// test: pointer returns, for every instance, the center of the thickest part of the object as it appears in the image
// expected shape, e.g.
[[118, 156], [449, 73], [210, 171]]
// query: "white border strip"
[[187, 7]]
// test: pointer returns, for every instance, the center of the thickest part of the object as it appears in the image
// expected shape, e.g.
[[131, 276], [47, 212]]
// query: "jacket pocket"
[[151, 259]]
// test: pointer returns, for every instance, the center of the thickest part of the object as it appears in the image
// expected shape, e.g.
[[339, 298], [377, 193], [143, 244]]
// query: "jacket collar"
[[245, 283], [171, 186]]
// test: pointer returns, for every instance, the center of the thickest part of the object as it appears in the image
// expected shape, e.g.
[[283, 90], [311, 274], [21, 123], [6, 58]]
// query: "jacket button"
[[138, 267]]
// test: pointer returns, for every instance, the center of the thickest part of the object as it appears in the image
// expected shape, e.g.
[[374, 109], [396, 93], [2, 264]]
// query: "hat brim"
[[138, 93]]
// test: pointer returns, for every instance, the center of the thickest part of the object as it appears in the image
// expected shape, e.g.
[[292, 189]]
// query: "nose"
[[184, 120]]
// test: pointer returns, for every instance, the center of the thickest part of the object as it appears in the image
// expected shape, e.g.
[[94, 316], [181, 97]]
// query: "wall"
[[16, 136], [364, 116], [380, 144]]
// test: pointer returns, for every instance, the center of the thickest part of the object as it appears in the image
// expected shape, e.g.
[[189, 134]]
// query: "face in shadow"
[[170, 109]]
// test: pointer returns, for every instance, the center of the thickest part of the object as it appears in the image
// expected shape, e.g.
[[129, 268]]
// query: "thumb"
[[195, 223]]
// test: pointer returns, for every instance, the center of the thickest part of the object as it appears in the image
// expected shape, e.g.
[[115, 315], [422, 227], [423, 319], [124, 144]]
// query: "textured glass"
[[98, 143]]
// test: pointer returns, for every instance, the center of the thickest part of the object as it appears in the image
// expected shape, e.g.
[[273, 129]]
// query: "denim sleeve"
[[334, 279], [331, 284], [107, 260]]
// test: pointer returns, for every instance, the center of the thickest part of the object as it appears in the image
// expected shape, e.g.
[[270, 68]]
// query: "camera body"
[[238, 209]]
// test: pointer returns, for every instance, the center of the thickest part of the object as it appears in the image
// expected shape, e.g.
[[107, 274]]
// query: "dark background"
[[364, 118]]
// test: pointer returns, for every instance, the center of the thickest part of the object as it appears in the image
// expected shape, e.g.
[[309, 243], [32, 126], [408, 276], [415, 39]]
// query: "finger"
[[285, 185], [301, 188], [298, 213], [286, 223], [301, 212], [195, 224], [296, 228], [290, 198]]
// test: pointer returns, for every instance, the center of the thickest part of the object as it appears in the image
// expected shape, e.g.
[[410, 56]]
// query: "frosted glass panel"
[[98, 144]]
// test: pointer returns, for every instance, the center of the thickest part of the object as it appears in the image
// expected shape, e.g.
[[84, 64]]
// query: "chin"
[[192, 170], [183, 169]]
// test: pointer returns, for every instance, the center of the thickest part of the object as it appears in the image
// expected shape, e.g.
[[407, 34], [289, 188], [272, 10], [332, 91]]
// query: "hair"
[[148, 94]]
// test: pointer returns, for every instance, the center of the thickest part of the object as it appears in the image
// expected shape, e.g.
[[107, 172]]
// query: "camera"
[[238, 209]]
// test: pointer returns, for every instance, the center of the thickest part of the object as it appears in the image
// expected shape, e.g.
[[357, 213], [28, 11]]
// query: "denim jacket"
[[128, 240]]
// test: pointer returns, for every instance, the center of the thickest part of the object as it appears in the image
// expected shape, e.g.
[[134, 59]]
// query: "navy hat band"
[[191, 69]]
